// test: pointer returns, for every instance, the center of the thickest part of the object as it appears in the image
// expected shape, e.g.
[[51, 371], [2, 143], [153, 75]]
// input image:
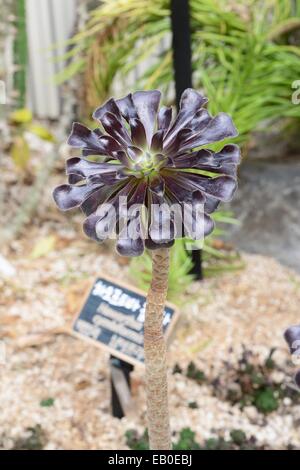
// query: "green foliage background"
[[245, 54]]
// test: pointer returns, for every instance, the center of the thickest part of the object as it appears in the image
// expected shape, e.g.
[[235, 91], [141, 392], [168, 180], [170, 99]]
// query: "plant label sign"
[[112, 317]]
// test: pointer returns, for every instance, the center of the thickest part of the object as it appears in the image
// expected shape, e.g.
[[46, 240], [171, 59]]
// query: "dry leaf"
[[43, 247], [82, 385], [20, 152], [9, 319], [21, 116], [7, 333]]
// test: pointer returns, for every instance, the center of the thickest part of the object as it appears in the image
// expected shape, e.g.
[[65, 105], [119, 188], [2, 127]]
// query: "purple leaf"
[[124, 159], [161, 229], [99, 227], [180, 192], [297, 379], [219, 128], [221, 187], [190, 103], [67, 197], [134, 153], [151, 245], [230, 154], [127, 107], [164, 118], [98, 197], [146, 104], [109, 107], [292, 337], [206, 160], [115, 128], [157, 185], [211, 204], [74, 179], [157, 141], [138, 134], [130, 241], [85, 168], [82, 137], [201, 120]]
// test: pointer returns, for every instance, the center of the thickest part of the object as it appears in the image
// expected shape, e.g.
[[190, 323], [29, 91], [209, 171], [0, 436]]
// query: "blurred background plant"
[[248, 380], [20, 51], [25, 140], [23, 132], [244, 57]]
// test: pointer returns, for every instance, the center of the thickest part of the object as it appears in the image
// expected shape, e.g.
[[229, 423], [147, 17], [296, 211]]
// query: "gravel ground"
[[53, 267], [58, 386]]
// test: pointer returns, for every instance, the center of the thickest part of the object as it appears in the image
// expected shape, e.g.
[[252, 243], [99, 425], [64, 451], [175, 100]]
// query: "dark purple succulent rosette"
[[141, 153], [292, 337]]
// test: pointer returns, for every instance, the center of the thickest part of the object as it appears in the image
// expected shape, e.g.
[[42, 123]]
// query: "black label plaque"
[[113, 316]]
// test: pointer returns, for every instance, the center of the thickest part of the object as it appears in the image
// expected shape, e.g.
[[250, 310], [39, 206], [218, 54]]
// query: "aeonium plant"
[[292, 337], [139, 180]]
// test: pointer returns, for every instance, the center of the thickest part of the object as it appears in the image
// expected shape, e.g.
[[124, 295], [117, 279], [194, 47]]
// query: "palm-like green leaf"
[[241, 53]]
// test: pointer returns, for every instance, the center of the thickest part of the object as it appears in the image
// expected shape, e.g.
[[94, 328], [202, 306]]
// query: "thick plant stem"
[[155, 354]]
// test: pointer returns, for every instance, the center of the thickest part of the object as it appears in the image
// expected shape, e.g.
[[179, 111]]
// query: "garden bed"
[[55, 389]]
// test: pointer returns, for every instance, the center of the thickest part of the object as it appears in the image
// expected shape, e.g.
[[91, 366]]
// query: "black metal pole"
[[182, 59], [182, 63]]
